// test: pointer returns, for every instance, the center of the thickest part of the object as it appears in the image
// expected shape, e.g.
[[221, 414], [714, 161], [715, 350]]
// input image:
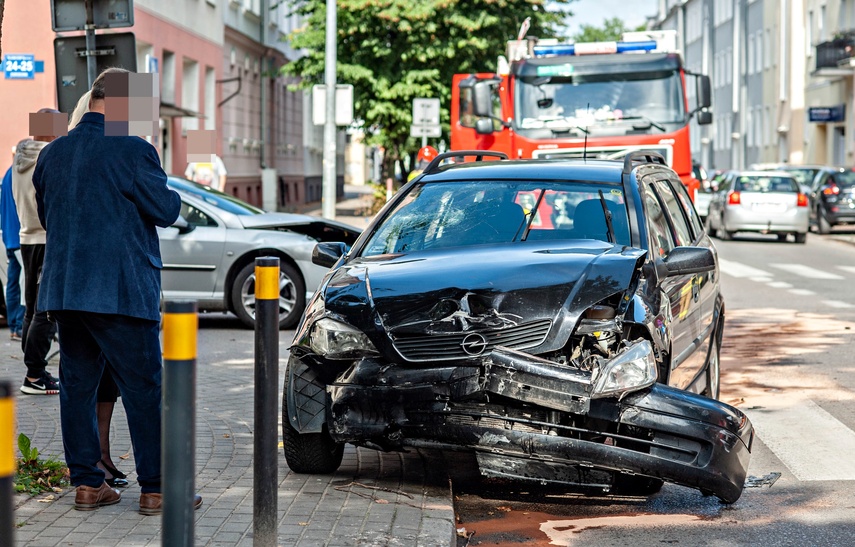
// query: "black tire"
[[713, 368], [636, 485], [801, 237], [782, 237], [708, 227], [292, 295], [822, 224], [308, 453]]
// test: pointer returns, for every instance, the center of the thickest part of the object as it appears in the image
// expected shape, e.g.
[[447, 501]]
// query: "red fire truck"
[[593, 100]]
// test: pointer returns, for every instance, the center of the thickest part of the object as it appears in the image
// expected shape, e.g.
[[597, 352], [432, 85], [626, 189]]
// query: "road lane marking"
[[736, 269], [837, 304], [806, 271], [802, 292], [813, 444], [780, 285], [848, 269]]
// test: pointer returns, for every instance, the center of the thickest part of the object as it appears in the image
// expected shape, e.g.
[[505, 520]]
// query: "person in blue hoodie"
[[10, 226]]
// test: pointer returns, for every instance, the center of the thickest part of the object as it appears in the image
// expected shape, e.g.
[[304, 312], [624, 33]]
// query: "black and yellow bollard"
[[265, 480], [178, 432], [7, 464]]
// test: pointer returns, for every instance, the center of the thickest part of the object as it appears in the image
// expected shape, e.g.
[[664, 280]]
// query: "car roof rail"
[[646, 156], [433, 166]]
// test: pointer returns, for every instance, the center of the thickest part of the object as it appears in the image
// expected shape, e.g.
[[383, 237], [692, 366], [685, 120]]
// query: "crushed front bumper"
[[530, 419]]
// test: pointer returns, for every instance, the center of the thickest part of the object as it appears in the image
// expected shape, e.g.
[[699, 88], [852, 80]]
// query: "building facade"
[[752, 51]]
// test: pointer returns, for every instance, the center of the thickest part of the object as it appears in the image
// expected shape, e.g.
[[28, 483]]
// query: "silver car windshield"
[[214, 197], [460, 214], [765, 184]]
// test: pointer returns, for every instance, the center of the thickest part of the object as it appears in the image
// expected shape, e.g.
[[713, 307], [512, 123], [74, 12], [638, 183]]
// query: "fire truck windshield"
[[599, 104]]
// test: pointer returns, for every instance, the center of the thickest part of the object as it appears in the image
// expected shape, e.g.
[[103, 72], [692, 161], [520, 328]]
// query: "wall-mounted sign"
[[21, 66], [825, 114]]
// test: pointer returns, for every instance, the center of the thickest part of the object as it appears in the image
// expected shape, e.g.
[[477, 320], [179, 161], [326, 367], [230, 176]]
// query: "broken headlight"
[[630, 370], [335, 340]]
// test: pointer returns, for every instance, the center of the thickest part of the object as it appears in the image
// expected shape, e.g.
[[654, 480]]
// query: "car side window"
[[659, 233], [675, 213], [688, 207], [196, 217]]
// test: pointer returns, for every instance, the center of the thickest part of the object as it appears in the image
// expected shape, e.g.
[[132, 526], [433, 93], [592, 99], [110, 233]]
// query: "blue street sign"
[[21, 66]]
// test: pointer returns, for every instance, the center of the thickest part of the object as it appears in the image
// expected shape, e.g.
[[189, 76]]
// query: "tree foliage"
[[393, 51], [611, 30]]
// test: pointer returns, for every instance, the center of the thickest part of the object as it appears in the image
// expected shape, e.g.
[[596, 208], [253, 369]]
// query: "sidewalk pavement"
[[374, 499]]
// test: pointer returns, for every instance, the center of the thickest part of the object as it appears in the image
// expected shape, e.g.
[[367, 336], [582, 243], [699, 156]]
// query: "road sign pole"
[[91, 62]]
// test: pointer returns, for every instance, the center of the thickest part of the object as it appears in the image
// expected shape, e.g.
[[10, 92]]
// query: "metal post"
[[178, 433], [265, 470], [91, 61], [329, 177], [7, 464]]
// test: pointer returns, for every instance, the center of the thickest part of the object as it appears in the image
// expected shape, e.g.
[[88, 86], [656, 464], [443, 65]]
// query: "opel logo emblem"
[[474, 344]]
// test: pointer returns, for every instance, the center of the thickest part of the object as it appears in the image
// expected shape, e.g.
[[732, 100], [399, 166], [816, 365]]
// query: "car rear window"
[[765, 184], [846, 179], [459, 214]]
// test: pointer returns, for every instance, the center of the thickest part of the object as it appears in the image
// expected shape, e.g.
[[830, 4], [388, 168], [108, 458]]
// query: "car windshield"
[[844, 179], [567, 102], [216, 198], [756, 183], [460, 214], [803, 176]]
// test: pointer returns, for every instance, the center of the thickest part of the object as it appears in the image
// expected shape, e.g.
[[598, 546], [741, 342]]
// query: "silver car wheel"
[[287, 295]]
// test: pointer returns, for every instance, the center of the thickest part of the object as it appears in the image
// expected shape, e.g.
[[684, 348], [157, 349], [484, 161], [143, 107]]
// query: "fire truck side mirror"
[[704, 117], [484, 126], [704, 92], [482, 99]]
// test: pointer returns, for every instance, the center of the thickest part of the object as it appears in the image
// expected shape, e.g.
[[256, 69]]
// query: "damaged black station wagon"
[[561, 319]]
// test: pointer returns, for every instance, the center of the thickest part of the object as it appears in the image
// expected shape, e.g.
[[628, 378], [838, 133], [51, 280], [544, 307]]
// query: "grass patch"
[[36, 475]]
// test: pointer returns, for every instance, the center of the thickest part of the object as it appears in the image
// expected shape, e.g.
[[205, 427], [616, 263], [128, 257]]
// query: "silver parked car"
[[768, 202], [209, 254]]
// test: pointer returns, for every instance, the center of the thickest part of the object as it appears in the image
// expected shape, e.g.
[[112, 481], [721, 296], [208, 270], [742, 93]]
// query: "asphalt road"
[[787, 361]]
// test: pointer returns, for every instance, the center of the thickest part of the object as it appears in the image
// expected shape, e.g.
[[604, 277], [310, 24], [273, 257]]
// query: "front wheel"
[[308, 453], [292, 295], [822, 224], [801, 237]]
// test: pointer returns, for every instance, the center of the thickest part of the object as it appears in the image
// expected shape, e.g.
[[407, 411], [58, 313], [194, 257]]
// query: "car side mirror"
[[183, 226], [689, 260], [328, 253], [484, 126], [704, 91]]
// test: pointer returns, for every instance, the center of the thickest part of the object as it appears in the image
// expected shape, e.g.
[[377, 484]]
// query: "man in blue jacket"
[[10, 226], [100, 199]]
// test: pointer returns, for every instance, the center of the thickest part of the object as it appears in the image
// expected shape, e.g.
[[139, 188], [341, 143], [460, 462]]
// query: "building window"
[[821, 29], [758, 50], [809, 35], [210, 98], [190, 93], [750, 54], [728, 66], [167, 78]]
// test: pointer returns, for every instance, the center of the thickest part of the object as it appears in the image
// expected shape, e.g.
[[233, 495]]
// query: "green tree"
[[611, 30], [393, 51]]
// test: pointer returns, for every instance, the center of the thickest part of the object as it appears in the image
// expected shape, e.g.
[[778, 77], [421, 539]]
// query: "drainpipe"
[[265, 14]]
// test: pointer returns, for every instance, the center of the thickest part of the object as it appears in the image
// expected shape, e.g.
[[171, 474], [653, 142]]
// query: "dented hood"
[[477, 288]]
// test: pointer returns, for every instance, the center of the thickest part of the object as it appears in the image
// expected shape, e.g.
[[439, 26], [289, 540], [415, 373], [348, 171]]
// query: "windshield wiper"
[[608, 215], [650, 123]]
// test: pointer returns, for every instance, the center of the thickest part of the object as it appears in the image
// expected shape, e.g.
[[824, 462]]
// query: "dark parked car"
[[833, 198], [558, 318]]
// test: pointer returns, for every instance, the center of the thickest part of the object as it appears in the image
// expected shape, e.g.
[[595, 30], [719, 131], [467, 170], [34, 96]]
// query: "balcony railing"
[[830, 54]]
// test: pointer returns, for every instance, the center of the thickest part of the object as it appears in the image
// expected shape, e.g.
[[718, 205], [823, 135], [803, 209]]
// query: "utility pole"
[[329, 178]]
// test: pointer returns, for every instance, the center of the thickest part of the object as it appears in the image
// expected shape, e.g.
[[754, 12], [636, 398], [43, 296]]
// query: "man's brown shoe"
[[152, 504], [89, 498]]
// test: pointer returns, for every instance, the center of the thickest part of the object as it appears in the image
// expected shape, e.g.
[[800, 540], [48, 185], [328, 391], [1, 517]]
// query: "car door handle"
[[696, 288]]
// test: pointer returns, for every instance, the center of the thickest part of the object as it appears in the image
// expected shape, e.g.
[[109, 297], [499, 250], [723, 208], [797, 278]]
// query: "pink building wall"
[[26, 29]]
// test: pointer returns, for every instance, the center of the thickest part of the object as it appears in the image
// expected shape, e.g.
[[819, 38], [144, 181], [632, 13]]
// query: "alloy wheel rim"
[[287, 295]]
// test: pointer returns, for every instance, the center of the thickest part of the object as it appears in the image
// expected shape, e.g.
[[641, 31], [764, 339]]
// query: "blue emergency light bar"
[[594, 48]]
